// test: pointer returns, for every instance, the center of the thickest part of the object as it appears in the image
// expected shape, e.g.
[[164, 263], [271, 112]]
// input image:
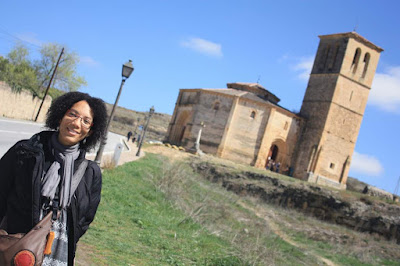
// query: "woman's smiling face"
[[76, 124]]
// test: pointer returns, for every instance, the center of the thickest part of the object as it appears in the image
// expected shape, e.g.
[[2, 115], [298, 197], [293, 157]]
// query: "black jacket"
[[21, 170]]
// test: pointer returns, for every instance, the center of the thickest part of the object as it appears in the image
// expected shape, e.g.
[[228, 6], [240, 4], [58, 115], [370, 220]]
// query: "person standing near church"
[[38, 174], [129, 135], [277, 166]]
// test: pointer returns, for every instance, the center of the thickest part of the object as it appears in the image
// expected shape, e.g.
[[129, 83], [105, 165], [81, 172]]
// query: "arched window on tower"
[[366, 63], [324, 58], [328, 49], [356, 58], [253, 114], [216, 106], [333, 61]]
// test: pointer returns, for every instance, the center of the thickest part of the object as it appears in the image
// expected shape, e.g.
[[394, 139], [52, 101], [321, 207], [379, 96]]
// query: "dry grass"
[[323, 237], [315, 237], [219, 212], [107, 163], [126, 120]]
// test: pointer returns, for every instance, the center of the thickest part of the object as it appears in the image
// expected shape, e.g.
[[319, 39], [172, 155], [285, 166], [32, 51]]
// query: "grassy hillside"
[[141, 221], [126, 120], [158, 212]]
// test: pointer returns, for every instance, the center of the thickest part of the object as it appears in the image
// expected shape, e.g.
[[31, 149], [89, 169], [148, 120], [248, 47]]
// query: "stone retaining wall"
[[357, 213], [21, 105]]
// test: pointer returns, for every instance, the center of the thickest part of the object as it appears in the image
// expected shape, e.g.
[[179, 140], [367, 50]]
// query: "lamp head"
[[127, 69]]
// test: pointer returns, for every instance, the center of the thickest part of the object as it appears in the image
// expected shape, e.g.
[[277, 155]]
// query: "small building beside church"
[[245, 123]]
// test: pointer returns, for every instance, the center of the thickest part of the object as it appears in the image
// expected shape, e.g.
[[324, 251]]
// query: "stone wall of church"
[[249, 138], [282, 130], [336, 153], [213, 110], [343, 122], [189, 97], [180, 126], [351, 95], [245, 132]]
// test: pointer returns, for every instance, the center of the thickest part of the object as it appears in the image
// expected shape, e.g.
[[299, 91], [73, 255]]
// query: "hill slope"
[[164, 211], [126, 120]]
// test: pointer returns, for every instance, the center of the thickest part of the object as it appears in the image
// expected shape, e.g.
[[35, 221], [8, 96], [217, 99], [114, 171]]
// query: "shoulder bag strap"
[[76, 179], [78, 175]]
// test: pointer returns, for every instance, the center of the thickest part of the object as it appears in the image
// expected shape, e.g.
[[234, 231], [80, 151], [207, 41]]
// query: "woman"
[[37, 174]]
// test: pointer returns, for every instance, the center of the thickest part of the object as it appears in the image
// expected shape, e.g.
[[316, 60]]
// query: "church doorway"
[[272, 154], [182, 134], [178, 130]]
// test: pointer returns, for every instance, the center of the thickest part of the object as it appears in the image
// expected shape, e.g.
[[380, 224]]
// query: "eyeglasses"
[[85, 122]]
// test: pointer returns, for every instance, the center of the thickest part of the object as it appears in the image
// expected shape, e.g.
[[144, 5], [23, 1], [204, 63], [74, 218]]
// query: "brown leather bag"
[[28, 249], [25, 249]]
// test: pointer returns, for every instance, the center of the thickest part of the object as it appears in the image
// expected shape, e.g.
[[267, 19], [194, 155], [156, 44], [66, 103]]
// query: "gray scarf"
[[61, 170]]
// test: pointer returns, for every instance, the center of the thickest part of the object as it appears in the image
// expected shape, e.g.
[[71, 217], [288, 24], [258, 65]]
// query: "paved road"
[[12, 131]]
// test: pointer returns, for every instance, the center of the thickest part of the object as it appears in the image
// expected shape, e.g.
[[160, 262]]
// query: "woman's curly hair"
[[63, 103]]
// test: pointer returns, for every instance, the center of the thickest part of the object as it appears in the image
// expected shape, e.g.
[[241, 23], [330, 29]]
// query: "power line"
[[2, 30]]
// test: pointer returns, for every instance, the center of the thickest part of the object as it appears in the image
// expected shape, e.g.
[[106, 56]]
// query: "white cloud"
[[366, 164], [283, 58], [30, 37], [88, 61], [203, 46], [304, 67], [385, 92]]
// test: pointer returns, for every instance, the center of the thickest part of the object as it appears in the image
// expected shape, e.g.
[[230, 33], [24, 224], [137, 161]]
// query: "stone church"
[[245, 123]]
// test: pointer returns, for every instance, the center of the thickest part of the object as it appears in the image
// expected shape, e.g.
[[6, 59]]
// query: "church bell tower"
[[333, 107]]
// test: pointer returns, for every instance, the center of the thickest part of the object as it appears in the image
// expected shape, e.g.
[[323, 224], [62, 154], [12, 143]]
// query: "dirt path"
[[270, 218]]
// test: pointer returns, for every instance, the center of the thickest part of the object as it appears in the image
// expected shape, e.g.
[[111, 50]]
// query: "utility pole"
[[396, 189], [144, 130], [48, 86]]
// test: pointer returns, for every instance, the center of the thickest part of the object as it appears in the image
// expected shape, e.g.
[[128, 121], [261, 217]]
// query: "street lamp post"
[[145, 129], [141, 130], [127, 70]]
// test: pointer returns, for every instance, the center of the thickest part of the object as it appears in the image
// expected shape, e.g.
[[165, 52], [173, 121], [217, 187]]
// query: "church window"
[[332, 166], [253, 114], [328, 49], [286, 125], [324, 57], [216, 106], [366, 62], [356, 58], [333, 61]]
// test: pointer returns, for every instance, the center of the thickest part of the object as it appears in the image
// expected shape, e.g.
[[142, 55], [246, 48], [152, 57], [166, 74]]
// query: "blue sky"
[[206, 44]]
